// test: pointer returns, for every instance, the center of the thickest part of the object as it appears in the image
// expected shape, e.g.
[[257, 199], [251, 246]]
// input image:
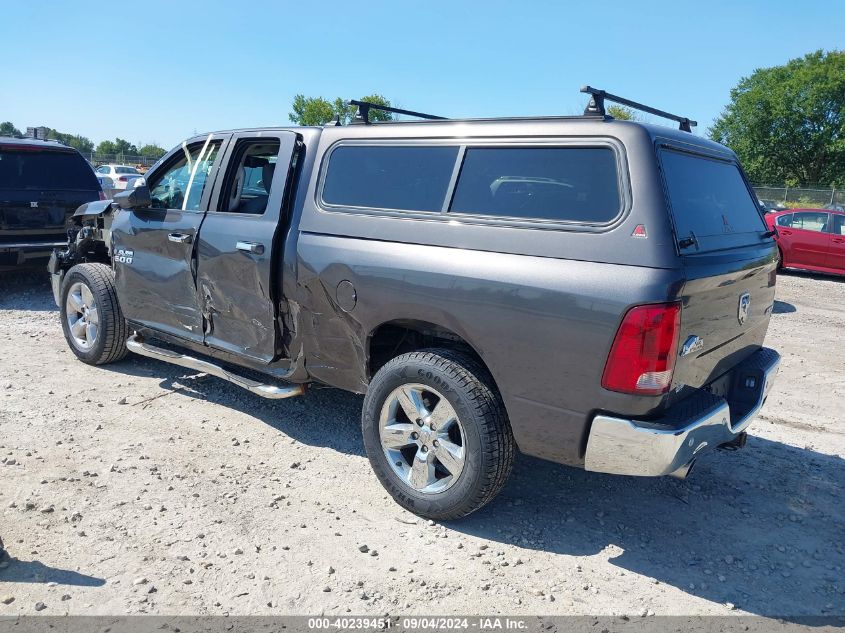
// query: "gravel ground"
[[142, 488]]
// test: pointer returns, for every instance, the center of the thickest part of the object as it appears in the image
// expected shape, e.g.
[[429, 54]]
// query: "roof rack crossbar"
[[598, 97], [364, 107]]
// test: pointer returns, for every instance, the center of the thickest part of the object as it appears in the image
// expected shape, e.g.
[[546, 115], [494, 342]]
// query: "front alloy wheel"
[[92, 320], [82, 317]]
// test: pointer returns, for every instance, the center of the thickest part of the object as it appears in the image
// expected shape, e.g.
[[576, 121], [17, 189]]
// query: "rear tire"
[[780, 259], [92, 320], [454, 452]]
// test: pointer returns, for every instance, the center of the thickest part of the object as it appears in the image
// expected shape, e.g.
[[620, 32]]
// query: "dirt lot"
[[140, 488]]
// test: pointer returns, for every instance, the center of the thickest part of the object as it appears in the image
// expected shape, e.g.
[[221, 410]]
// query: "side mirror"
[[134, 198]]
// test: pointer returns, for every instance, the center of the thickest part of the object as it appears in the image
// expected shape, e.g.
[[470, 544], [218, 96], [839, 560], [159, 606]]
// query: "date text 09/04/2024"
[[417, 623]]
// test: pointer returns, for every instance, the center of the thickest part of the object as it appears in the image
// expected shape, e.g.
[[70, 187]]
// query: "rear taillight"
[[102, 195], [642, 357], [123, 179]]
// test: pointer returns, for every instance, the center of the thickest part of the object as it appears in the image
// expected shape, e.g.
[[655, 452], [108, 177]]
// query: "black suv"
[[589, 291], [41, 184]]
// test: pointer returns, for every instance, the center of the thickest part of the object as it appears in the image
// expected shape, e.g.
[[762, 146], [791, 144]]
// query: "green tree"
[[125, 147], [347, 112], [106, 147], [81, 143], [7, 128], [319, 111], [311, 111], [151, 150], [118, 146], [622, 113], [787, 123]]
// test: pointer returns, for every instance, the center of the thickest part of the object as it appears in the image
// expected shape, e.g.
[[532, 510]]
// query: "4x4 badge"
[[744, 304], [692, 344]]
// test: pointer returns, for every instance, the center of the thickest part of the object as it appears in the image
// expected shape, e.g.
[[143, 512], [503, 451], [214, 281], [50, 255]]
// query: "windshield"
[[28, 169], [710, 202]]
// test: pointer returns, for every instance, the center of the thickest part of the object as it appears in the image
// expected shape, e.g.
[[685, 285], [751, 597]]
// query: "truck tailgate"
[[729, 263], [726, 306]]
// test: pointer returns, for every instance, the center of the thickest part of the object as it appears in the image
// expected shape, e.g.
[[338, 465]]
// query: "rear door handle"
[[250, 247], [839, 240], [179, 238]]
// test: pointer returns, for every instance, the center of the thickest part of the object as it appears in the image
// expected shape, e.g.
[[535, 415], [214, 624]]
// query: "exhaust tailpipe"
[[736, 443], [683, 472]]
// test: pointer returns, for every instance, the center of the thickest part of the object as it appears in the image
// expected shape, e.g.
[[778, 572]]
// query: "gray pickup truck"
[[589, 291]]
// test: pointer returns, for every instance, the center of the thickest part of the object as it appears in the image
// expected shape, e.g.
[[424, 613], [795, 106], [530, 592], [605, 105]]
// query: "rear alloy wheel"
[[437, 434], [425, 447], [92, 321]]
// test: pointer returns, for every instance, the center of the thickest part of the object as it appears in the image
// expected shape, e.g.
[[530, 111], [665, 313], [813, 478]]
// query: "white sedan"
[[116, 178]]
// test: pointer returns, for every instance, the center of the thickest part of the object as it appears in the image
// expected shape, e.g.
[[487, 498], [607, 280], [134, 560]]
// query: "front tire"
[[92, 320], [437, 434]]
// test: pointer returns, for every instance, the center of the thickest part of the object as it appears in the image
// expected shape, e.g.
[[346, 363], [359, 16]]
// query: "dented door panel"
[[153, 274], [238, 260], [154, 248], [234, 292]]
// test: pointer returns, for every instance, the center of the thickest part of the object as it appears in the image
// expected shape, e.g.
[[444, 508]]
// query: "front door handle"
[[839, 240], [179, 238], [250, 247]]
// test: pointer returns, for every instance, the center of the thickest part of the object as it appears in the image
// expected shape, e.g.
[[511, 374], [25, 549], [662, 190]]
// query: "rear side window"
[[785, 220], [810, 221], [389, 177], [710, 202], [563, 184], [45, 170], [246, 188]]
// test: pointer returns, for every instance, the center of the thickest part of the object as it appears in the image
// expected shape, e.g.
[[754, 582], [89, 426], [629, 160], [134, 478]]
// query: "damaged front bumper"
[[699, 423], [56, 274]]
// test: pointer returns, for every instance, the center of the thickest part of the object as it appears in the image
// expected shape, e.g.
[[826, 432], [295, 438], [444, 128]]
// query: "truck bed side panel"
[[573, 309]]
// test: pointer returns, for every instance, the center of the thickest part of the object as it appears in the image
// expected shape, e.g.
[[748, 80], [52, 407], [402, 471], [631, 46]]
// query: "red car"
[[810, 239]]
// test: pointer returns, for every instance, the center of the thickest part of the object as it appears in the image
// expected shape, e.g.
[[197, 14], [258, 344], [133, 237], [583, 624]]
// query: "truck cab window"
[[181, 184], [248, 182]]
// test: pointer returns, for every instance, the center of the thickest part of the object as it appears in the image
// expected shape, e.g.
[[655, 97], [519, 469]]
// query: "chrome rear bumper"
[[697, 424]]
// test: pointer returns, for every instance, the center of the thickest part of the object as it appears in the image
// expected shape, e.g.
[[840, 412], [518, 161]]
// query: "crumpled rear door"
[[239, 256]]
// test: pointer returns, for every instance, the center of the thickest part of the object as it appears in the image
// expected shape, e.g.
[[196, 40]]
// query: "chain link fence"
[[141, 162], [801, 197]]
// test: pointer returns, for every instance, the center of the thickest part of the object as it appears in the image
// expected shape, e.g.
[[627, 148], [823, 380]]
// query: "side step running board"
[[136, 344]]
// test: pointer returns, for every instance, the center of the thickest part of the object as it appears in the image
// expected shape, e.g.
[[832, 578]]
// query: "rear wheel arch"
[[400, 336]]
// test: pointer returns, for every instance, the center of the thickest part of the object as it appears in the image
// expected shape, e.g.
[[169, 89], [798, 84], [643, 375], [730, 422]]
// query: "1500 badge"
[[124, 255]]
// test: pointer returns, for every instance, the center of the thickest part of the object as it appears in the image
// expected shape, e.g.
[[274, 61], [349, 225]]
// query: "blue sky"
[[158, 71]]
